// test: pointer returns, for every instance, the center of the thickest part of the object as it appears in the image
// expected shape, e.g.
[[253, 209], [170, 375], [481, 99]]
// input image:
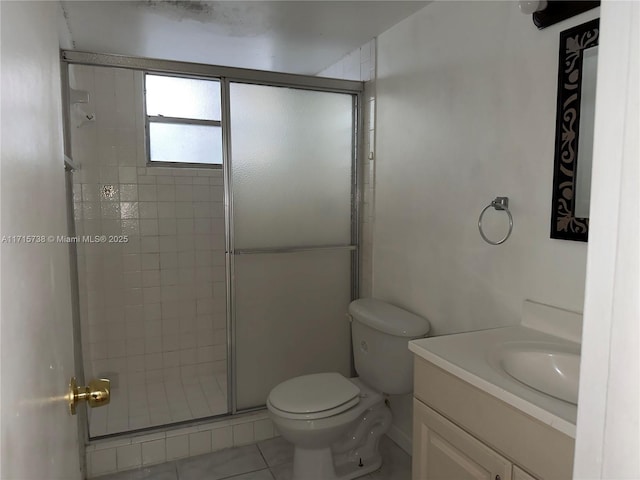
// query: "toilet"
[[334, 422]]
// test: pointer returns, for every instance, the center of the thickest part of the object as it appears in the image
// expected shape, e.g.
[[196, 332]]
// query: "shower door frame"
[[232, 252], [226, 76]]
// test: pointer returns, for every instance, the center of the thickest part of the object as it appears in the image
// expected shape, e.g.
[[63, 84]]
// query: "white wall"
[[466, 102], [357, 65], [466, 112], [608, 429]]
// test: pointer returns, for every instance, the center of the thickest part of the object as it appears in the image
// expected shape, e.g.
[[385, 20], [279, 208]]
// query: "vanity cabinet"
[[519, 474], [461, 432], [444, 451]]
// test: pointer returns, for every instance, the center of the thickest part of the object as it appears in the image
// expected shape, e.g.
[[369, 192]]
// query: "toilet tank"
[[380, 334]]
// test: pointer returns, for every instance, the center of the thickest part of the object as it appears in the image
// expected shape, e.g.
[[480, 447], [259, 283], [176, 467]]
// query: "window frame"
[[148, 119]]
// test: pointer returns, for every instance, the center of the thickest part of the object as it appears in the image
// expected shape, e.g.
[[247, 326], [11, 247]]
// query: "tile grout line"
[[175, 468], [264, 459]]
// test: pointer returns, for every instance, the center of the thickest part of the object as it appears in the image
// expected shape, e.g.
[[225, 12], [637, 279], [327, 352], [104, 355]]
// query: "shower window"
[[183, 120]]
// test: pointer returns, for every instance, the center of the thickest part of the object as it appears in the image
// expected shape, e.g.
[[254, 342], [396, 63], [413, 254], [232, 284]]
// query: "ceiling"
[[301, 37]]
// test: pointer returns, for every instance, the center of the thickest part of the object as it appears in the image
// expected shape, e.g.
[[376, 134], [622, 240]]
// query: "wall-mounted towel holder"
[[499, 203]]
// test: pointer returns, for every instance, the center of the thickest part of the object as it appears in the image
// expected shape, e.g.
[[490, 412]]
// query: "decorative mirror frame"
[[564, 224]]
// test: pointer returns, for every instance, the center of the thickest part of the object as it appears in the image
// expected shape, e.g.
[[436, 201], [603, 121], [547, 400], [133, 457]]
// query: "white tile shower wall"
[[153, 307], [110, 456], [361, 65]]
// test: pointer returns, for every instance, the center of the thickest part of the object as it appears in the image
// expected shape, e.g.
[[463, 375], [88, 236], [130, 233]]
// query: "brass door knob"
[[96, 394]]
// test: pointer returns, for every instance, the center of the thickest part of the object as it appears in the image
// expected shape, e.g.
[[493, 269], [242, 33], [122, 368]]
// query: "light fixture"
[[531, 6]]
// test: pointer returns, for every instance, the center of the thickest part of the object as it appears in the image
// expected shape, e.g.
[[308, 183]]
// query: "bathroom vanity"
[[474, 420]]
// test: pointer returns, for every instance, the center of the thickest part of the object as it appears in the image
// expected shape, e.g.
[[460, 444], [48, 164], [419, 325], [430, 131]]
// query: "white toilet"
[[335, 422]]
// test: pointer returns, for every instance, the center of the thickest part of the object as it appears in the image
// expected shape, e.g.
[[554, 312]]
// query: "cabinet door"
[[443, 451], [519, 474]]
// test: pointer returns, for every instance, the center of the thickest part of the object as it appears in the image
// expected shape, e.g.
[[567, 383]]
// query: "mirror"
[[577, 67]]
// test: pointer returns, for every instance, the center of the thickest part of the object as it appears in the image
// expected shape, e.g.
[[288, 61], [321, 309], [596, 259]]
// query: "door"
[[443, 451], [39, 438], [292, 184]]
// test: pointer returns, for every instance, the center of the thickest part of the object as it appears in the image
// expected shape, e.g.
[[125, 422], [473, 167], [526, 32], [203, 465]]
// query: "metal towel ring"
[[500, 203]]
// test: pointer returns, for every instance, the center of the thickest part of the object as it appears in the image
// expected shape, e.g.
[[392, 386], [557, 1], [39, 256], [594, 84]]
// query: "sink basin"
[[549, 368]]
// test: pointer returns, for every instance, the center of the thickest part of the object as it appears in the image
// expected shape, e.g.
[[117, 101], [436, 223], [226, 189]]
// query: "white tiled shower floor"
[[268, 460], [134, 407]]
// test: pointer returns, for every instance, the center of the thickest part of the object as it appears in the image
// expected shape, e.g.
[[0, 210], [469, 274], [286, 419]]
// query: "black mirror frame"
[[564, 224]]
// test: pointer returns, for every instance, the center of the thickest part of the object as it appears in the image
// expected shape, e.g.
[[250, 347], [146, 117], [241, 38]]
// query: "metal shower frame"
[[227, 75]]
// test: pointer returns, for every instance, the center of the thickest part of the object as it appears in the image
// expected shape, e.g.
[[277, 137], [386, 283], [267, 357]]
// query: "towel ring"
[[500, 203]]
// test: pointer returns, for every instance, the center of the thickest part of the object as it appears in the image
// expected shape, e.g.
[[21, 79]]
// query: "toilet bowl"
[[339, 442], [335, 423]]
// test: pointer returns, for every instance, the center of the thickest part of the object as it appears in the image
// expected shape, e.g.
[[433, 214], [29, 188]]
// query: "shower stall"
[[215, 227]]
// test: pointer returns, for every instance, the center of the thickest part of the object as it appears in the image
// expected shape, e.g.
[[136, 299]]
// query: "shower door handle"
[[96, 394]]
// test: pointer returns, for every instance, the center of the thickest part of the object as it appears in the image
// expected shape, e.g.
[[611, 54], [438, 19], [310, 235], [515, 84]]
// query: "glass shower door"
[[292, 182]]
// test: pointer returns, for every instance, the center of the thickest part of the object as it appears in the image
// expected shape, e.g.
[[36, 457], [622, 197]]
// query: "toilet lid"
[[313, 393]]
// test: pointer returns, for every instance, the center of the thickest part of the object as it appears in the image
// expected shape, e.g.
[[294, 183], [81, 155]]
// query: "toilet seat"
[[314, 415], [313, 396]]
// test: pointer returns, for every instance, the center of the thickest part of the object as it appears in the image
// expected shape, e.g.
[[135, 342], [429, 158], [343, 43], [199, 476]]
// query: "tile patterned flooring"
[[160, 403], [268, 460]]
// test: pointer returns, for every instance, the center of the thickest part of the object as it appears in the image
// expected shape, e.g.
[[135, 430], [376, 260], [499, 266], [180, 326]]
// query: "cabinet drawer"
[[538, 448], [443, 451]]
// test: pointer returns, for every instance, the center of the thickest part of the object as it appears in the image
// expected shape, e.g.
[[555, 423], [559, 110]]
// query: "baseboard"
[[400, 438]]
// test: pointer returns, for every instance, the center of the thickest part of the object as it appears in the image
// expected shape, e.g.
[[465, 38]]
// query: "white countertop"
[[469, 356]]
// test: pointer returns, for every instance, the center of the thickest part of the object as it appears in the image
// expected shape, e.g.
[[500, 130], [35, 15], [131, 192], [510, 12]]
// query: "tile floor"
[[268, 460], [160, 403]]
